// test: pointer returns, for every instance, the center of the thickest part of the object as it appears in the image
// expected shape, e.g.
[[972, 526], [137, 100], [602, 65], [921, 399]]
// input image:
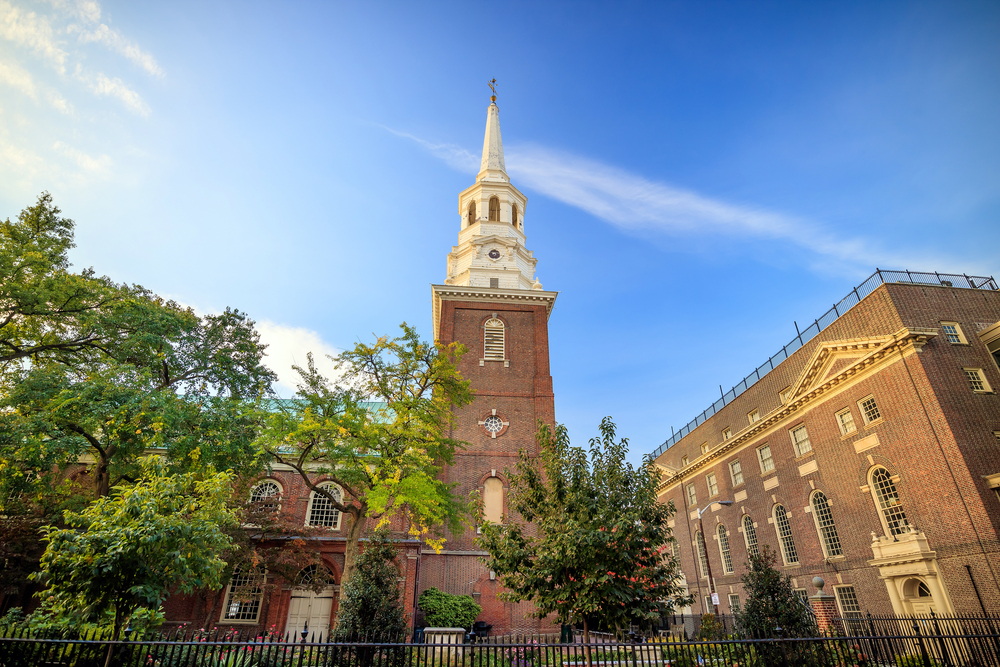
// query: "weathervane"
[[493, 86]]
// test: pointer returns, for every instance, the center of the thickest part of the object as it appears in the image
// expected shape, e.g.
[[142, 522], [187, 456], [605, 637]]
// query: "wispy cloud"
[[115, 41], [31, 31], [637, 204], [18, 79], [93, 165], [103, 85]]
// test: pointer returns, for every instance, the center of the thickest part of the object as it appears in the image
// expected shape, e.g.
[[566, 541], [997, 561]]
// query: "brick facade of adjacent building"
[[935, 436]]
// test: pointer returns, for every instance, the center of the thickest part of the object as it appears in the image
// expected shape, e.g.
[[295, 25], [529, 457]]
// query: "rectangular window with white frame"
[[713, 484], [753, 416], [684, 461], [736, 472], [800, 440], [727, 433], [692, 495], [765, 459], [869, 410], [977, 380], [802, 593], [845, 420], [704, 448], [244, 596], [847, 601], [784, 394], [734, 602], [953, 333]]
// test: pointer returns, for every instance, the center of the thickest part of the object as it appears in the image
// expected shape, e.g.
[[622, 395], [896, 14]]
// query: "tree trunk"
[[586, 642], [102, 478], [351, 549]]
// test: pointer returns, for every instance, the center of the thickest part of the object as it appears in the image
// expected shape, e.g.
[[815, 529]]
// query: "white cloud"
[[288, 346], [34, 32], [103, 85], [94, 165], [637, 204], [17, 78], [117, 42]]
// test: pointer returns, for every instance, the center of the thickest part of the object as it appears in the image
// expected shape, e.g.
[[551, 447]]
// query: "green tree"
[[370, 603], [380, 433], [771, 602], [772, 609], [599, 545], [164, 533], [444, 610], [92, 368]]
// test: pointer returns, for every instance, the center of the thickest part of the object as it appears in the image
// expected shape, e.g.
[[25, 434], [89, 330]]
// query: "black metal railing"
[[874, 281], [891, 644]]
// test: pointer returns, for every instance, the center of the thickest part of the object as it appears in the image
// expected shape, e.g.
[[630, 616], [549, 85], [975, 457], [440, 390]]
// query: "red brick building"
[[867, 452], [493, 304]]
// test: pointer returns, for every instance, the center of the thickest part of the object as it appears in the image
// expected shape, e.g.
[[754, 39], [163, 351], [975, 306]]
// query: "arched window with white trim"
[[265, 501], [494, 209], [727, 557], [890, 508], [513, 216], [493, 340], [493, 500], [702, 554], [472, 213], [783, 526], [750, 536], [825, 526], [322, 511]]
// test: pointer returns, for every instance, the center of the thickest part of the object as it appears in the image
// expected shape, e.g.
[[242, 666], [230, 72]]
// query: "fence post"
[[824, 606], [781, 645], [923, 647]]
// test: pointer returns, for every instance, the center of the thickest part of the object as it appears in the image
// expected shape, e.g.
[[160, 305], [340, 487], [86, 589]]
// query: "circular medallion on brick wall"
[[494, 423]]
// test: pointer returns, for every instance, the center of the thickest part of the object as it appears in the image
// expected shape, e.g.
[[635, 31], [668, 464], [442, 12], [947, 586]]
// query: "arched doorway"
[[308, 609], [917, 597]]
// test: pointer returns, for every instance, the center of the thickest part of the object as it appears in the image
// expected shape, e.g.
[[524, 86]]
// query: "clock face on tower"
[[494, 254]]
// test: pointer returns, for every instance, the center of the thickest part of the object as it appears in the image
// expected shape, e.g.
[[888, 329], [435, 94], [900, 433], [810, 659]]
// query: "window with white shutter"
[[493, 340]]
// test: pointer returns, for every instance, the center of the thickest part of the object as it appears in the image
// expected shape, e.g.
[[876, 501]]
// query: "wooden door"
[[312, 611]]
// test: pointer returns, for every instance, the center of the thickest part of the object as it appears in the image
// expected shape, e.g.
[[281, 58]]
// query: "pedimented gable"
[[831, 358]]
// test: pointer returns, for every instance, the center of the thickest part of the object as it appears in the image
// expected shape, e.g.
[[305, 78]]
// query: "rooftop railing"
[[877, 279]]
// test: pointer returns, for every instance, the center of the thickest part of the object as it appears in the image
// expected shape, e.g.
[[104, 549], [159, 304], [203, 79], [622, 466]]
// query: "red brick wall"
[[935, 433], [522, 394]]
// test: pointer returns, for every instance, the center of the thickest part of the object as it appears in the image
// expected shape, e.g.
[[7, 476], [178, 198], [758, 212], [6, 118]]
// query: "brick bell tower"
[[492, 302]]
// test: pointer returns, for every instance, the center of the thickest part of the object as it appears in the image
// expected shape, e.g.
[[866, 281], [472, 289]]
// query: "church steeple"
[[492, 167], [491, 248]]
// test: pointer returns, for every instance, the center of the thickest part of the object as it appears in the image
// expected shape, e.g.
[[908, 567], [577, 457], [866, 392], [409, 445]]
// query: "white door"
[[309, 608]]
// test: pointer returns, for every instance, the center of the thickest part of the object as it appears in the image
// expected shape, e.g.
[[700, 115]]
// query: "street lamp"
[[704, 544]]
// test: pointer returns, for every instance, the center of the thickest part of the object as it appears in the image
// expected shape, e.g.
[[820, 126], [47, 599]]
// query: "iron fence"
[[873, 282], [916, 647], [948, 640]]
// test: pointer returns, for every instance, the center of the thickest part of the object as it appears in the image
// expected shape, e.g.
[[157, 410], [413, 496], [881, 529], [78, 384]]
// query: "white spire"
[[492, 167]]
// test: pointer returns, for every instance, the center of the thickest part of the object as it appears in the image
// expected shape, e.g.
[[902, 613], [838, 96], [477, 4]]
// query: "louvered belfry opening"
[[493, 343], [494, 209], [472, 212], [513, 215]]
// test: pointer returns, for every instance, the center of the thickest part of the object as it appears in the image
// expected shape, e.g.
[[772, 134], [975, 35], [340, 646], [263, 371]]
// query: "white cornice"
[[441, 293], [904, 341]]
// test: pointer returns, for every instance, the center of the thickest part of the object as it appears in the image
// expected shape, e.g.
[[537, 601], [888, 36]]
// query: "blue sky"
[[699, 175]]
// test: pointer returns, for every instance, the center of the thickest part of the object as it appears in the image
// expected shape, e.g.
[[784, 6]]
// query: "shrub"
[[443, 610], [370, 604]]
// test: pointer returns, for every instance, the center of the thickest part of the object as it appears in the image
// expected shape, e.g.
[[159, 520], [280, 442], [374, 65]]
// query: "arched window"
[[265, 499], [493, 500], [494, 209], [513, 216], [825, 526], [727, 558], [887, 500], [750, 535], [472, 212], [313, 574], [702, 554], [493, 340], [784, 529], [321, 511]]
